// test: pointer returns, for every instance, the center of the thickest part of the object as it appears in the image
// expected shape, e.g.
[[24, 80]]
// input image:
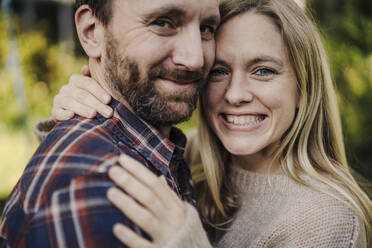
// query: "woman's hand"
[[82, 96], [152, 205]]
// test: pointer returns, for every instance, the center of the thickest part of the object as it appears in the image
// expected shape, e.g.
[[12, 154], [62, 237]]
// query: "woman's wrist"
[[191, 234]]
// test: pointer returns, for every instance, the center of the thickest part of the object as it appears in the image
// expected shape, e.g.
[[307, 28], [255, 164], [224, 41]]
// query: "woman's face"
[[252, 93]]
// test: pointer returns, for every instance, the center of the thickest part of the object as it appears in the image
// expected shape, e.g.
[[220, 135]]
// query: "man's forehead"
[[188, 8]]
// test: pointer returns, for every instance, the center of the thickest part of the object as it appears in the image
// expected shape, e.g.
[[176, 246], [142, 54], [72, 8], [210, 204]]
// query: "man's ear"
[[90, 31]]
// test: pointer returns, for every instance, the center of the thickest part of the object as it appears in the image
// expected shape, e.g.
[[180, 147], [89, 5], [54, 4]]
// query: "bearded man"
[[152, 56]]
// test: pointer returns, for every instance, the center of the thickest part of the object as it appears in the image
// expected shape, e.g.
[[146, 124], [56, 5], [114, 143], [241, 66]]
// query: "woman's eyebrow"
[[265, 58], [221, 62]]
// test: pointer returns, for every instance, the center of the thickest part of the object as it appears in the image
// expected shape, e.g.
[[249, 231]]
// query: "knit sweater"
[[278, 212], [275, 212]]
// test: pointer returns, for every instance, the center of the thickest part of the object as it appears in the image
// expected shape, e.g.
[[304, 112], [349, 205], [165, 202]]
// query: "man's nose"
[[188, 52]]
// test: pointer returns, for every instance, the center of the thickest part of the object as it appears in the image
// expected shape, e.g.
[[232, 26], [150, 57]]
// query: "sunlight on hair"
[[301, 3]]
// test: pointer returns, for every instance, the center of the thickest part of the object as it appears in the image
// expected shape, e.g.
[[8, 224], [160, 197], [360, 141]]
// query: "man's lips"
[[180, 81]]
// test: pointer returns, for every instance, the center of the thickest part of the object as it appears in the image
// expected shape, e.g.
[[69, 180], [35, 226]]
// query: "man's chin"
[[181, 109], [174, 113]]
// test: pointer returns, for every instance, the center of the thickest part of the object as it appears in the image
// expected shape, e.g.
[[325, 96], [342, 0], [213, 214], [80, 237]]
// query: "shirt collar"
[[145, 139]]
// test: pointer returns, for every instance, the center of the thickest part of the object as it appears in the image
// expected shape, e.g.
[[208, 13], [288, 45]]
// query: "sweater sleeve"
[[191, 234], [326, 224], [43, 127]]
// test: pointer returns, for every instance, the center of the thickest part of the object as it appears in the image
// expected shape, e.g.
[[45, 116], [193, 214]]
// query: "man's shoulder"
[[81, 143], [77, 148], [79, 135]]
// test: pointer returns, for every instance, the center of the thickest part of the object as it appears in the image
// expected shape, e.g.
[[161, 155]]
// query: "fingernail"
[[118, 229], [123, 158], [111, 192], [114, 171], [106, 98], [163, 180], [92, 114], [108, 111]]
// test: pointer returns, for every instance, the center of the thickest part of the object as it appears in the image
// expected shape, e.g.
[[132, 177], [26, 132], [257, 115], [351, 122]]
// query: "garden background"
[[39, 51]]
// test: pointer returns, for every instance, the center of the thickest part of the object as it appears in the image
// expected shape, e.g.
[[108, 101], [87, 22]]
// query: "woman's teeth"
[[244, 120]]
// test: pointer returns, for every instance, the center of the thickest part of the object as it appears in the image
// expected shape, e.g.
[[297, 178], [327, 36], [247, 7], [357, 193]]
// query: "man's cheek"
[[209, 50]]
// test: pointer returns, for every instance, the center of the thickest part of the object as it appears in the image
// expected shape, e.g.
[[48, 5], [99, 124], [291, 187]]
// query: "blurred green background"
[[39, 51]]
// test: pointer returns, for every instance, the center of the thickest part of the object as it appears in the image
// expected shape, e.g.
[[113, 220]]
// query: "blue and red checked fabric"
[[60, 200]]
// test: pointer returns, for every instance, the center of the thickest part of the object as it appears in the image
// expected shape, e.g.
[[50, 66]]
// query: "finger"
[[130, 238], [60, 114], [136, 189], [139, 171], [134, 211], [85, 70], [87, 99], [148, 178], [71, 104], [171, 206], [90, 85], [163, 180], [84, 97], [163, 203]]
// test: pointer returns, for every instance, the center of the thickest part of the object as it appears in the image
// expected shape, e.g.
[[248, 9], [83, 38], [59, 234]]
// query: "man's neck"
[[97, 73], [165, 131]]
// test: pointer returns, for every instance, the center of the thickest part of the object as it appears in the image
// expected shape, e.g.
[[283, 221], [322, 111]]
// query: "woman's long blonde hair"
[[313, 145]]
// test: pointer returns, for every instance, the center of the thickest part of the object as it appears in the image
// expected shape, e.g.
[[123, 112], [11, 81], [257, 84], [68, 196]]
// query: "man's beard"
[[124, 77]]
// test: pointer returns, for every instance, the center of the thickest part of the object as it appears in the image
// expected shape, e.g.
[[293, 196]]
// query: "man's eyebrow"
[[176, 10], [167, 10], [212, 20]]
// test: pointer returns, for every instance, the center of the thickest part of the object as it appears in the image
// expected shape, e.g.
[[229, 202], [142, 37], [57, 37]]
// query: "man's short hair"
[[101, 9]]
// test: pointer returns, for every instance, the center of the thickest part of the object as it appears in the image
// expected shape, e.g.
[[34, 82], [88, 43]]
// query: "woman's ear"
[[90, 32]]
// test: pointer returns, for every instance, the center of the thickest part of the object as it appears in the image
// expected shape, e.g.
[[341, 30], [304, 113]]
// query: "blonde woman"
[[268, 157]]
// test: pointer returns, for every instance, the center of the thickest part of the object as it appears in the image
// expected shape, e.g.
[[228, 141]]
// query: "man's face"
[[158, 55]]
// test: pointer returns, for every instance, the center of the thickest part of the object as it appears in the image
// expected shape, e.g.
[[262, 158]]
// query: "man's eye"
[[265, 72], [161, 22], [207, 31]]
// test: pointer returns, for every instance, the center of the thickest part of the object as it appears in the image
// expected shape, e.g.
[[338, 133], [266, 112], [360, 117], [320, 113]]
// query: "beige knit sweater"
[[275, 212]]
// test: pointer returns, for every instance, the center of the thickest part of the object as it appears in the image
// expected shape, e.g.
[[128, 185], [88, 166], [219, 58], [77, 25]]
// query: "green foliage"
[[3, 47], [45, 68], [349, 45], [16, 148]]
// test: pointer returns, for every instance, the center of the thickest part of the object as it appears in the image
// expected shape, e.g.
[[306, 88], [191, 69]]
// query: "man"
[[152, 56]]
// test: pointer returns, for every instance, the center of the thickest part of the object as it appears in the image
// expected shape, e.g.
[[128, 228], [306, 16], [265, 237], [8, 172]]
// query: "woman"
[[274, 170]]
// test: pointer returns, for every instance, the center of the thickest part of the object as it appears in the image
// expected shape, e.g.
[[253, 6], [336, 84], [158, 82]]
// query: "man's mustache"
[[178, 75]]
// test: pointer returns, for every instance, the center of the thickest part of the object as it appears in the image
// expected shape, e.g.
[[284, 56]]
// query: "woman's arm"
[[82, 96], [153, 206]]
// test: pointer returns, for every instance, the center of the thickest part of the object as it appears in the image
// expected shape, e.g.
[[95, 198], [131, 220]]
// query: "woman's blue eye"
[[264, 72], [218, 74]]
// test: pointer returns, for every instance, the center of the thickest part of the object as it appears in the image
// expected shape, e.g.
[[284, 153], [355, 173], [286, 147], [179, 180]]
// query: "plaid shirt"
[[60, 201]]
